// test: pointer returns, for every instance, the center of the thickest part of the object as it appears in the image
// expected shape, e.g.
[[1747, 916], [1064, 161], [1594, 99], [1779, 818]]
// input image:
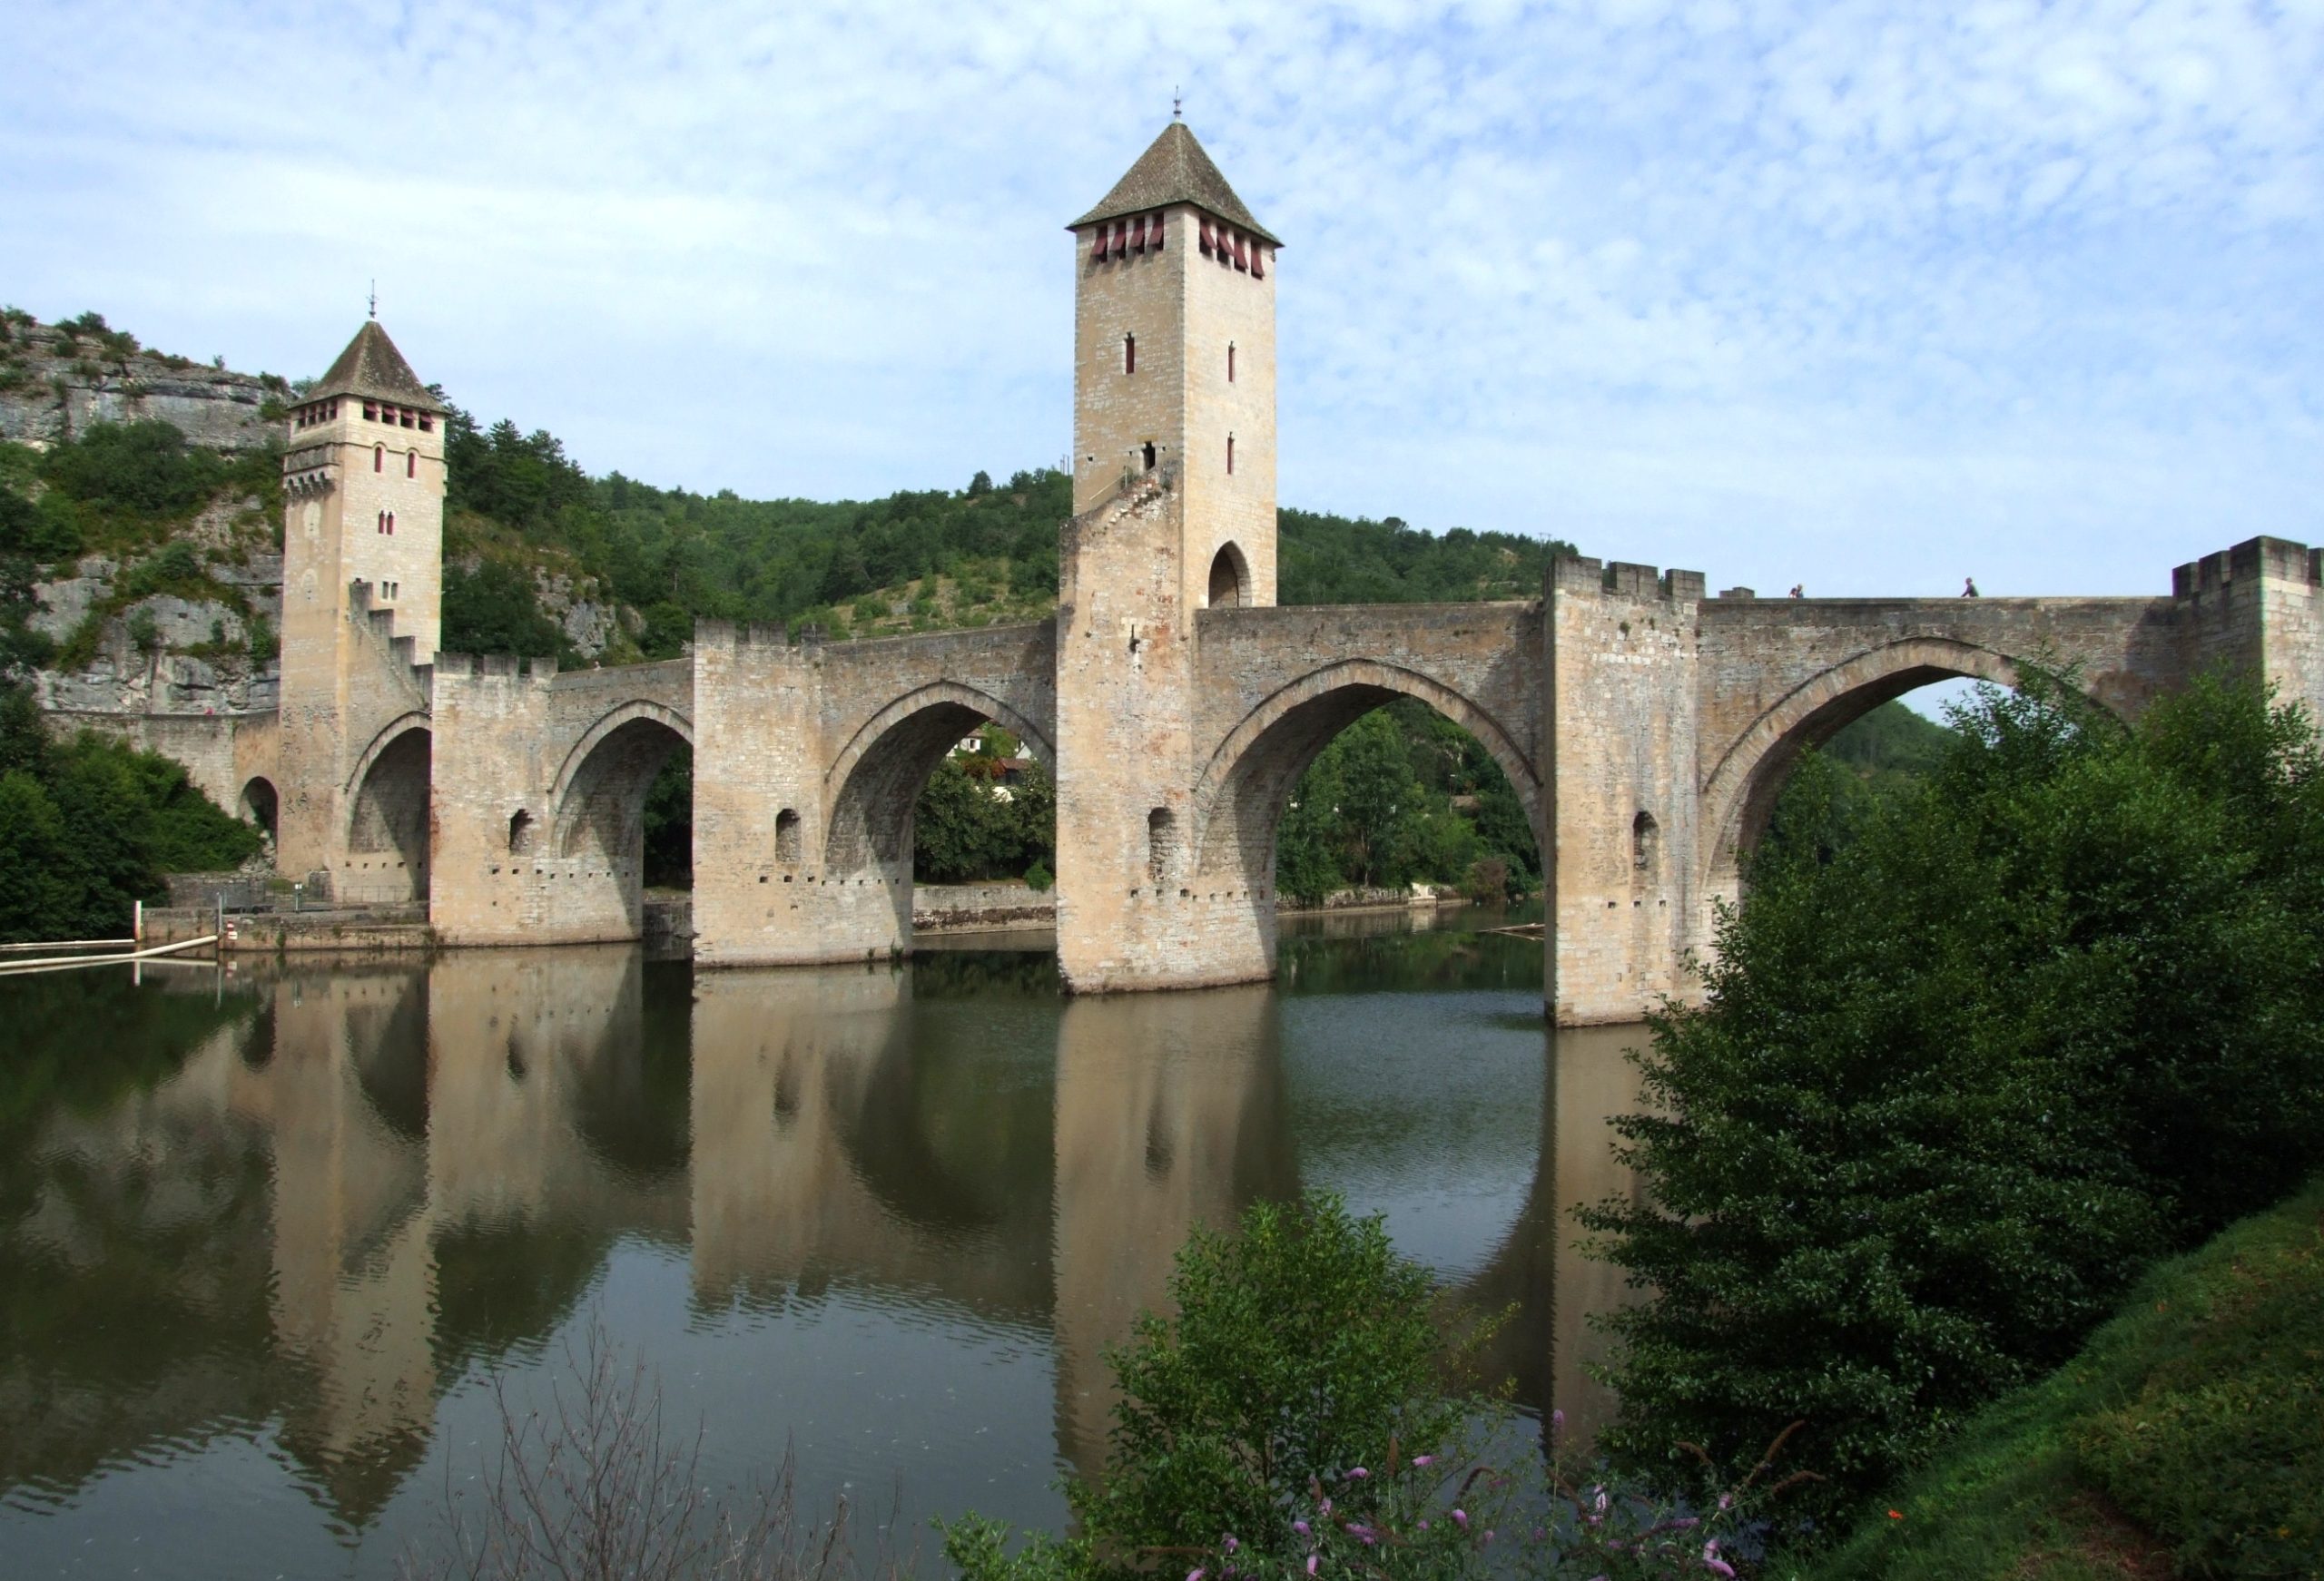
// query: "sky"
[[1866, 297]]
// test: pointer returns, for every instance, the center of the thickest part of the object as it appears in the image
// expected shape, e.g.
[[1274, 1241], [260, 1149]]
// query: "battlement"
[[2279, 559], [1623, 578], [466, 666], [738, 634]]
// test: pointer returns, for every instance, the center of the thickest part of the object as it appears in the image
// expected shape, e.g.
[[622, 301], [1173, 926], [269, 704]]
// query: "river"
[[269, 1234]]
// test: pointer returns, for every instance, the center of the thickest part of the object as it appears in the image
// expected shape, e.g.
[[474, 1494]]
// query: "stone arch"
[[607, 723], [1241, 794], [872, 785], [260, 804], [600, 794], [1740, 796], [388, 816], [1230, 578]]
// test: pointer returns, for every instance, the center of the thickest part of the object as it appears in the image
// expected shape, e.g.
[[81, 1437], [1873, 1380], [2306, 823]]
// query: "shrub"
[[1303, 1344], [144, 470], [1038, 879], [2047, 1018]]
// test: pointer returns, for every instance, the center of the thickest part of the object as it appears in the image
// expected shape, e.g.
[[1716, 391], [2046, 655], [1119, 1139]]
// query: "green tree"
[[2049, 1014], [1303, 1345], [496, 609]]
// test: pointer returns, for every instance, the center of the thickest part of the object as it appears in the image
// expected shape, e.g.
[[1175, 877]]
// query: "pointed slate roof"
[[372, 368], [1175, 169]]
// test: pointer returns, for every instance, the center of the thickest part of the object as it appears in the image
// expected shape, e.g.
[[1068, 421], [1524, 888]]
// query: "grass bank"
[[2186, 1439]]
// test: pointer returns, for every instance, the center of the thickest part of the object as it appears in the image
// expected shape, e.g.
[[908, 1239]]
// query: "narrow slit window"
[[379, 458], [1230, 362], [1230, 455], [1129, 354], [412, 464], [1150, 455]]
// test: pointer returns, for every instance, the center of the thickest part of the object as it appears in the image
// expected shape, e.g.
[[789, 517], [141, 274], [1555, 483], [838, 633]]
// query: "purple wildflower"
[[1300, 1526], [1357, 1473], [1311, 1563], [1194, 1573], [1461, 1519], [1714, 1563], [1228, 1543], [1424, 1459]]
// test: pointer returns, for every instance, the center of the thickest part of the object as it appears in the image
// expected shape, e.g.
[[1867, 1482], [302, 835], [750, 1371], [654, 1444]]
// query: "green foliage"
[[1403, 795], [2195, 1414], [1328, 559], [970, 825], [669, 823], [2049, 1016], [1303, 1345], [88, 827], [496, 609], [144, 470]]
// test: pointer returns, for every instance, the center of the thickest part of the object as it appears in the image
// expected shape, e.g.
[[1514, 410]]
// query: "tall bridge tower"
[[362, 610], [1174, 480]]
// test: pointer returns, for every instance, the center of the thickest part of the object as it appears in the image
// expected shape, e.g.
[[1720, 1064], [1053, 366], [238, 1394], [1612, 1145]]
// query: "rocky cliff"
[[56, 379]]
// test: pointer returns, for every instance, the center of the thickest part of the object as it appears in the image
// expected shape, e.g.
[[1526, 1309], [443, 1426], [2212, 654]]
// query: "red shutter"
[[1242, 253], [1137, 235], [1154, 233], [1208, 241], [1258, 261]]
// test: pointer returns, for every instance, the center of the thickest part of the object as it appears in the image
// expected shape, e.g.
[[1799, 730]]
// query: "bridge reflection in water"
[[893, 1216]]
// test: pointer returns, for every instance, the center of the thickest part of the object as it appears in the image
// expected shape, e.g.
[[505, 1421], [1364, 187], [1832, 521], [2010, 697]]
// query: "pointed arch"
[[1240, 797]]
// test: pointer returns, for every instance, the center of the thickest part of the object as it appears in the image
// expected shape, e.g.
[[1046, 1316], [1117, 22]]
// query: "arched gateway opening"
[[1368, 777], [933, 788], [258, 804], [1746, 786], [602, 805], [386, 840]]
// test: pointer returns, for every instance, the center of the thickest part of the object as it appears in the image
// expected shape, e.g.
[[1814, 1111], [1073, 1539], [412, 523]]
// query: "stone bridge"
[[1646, 728]]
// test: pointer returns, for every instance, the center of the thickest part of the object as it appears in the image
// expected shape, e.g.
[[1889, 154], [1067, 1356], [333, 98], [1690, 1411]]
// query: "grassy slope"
[[2190, 1431]]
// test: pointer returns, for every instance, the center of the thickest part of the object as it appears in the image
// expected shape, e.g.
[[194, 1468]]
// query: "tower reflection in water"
[[376, 1184]]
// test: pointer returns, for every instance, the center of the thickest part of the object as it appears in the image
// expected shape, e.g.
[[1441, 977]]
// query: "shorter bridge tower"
[[362, 601], [1173, 512]]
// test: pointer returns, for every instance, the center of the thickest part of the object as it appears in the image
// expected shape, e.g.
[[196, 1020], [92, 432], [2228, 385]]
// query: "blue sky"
[[1872, 297]]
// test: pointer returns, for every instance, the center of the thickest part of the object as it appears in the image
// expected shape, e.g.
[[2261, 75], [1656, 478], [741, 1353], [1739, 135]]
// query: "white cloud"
[[1870, 294]]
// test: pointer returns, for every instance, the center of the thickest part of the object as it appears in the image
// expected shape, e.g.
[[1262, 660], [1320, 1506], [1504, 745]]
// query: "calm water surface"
[[266, 1236]]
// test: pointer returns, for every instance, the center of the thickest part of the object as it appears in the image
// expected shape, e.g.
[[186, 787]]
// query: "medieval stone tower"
[[1174, 515], [362, 571]]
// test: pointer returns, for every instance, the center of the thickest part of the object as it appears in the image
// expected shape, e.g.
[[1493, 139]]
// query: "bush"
[[1038, 879], [144, 470], [2195, 1412], [2051, 1015], [89, 826], [1304, 1345]]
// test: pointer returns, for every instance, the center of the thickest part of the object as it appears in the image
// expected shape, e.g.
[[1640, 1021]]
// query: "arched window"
[[1230, 362], [520, 832], [786, 838], [1129, 354], [1226, 579], [379, 458], [412, 464], [391, 523], [1230, 455], [1646, 845]]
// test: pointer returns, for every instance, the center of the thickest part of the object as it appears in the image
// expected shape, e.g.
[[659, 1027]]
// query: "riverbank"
[[2187, 1437], [261, 922]]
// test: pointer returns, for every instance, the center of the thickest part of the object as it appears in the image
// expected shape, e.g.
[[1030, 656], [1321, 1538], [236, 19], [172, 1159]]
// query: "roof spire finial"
[[1177, 104], [375, 298]]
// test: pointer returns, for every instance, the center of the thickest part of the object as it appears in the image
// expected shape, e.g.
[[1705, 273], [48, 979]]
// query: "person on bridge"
[[1968, 587], [1799, 590]]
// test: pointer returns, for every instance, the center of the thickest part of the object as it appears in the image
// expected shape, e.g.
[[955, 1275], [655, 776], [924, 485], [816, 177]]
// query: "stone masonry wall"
[[1624, 901]]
